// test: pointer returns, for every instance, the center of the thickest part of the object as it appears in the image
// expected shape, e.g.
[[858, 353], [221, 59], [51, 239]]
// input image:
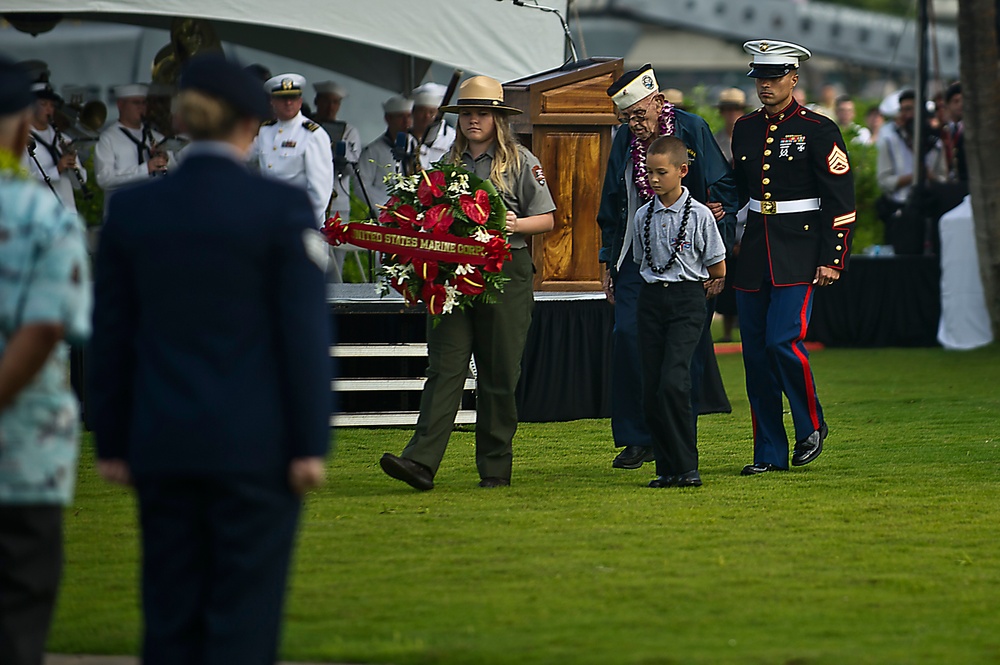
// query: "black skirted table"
[[880, 301]]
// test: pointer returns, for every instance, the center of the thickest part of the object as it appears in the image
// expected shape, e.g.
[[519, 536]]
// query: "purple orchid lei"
[[638, 149]]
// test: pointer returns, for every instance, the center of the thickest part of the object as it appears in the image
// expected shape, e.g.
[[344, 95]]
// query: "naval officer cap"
[[773, 59], [285, 85], [330, 88], [228, 81], [15, 87], [633, 87]]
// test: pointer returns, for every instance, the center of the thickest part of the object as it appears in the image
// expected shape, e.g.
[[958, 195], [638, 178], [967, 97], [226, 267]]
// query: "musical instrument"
[[153, 148], [66, 149]]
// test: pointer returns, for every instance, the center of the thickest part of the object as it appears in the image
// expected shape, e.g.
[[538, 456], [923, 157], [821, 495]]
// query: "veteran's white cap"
[[285, 85], [397, 104], [131, 90], [331, 88], [633, 86], [774, 59]]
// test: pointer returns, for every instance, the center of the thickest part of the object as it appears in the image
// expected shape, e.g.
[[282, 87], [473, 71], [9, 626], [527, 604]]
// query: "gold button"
[[840, 235], [280, 130], [805, 228], [773, 128], [743, 158], [781, 116], [839, 248], [790, 158], [767, 195], [274, 148], [770, 139], [767, 153], [766, 167], [766, 181], [802, 112], [836, 260], [268, 166]]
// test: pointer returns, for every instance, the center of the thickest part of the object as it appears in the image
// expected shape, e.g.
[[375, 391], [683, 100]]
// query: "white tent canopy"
[[390, 43]]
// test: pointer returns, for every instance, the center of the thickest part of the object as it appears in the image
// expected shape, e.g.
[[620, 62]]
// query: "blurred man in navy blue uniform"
[[210, 377], [648, 115], [792, 169]]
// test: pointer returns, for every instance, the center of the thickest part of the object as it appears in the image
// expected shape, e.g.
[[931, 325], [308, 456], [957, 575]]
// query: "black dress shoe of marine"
[[494, 482], [761, 467], [412, 473], [663, 481], [633, 457], [689, 479], [810, 447]]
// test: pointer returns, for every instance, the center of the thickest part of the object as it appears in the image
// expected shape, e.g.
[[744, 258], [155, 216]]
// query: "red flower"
[[335, 232], [426, 270], [497, 251], [470, 284], [438, 218], [476, 208], [432, 186], [405, 217], [434, 294]]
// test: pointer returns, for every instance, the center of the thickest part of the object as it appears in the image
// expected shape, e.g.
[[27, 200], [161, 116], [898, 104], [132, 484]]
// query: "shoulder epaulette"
[[310, 125], [268, 123]]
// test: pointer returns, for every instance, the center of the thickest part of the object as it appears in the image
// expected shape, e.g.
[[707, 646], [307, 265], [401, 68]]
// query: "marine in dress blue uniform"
[[709, 180], [792, 169], [210, 380]]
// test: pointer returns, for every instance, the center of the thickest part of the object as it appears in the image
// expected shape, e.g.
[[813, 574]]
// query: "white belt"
[[783, 207]]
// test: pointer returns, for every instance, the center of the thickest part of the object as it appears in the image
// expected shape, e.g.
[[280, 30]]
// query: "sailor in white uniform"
[[329, 96], [293, 148], [52, 159], [434, 136], [381, 156], [130, 149]]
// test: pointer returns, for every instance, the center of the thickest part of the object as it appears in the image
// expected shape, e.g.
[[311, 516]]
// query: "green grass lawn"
[[884, 550]]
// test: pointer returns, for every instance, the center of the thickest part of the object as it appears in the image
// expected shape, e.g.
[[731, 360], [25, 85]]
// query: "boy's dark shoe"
[[412, 473], [633, 457], [810, 447], [754, 469], [494, 482], [663, 481], [689, 479]]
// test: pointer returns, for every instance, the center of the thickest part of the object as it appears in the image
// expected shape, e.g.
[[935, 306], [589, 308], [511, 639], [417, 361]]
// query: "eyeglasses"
[[637, 117]]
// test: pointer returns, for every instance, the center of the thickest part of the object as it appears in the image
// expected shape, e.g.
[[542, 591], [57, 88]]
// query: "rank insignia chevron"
[[837, 161]]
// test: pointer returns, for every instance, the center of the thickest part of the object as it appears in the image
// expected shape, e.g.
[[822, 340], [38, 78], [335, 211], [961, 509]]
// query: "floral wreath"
[[454, 239]]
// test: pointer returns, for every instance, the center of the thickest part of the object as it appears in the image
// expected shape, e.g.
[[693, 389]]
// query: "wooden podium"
[[567, 123]]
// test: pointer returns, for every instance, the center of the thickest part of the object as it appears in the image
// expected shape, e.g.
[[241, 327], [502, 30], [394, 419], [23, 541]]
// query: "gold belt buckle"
[[769, 207]]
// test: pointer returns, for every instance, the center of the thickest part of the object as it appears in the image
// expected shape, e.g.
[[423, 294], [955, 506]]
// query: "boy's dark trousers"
[[670, 320]]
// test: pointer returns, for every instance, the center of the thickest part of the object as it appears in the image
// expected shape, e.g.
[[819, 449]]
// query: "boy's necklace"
[[647, 248]]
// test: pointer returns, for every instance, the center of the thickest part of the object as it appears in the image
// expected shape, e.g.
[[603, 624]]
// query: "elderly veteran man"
[[44, 299], [648, 115], [293, 148], [792, 169]]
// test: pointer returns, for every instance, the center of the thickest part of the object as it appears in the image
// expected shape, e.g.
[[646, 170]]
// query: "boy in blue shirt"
[[681, 260]]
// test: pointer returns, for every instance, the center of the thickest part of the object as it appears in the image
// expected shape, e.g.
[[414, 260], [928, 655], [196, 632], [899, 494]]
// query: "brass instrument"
[[66, 149], [153, 148]]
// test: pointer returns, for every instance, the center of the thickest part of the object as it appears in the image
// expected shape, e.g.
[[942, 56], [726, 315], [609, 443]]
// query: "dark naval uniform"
[[792, 169]]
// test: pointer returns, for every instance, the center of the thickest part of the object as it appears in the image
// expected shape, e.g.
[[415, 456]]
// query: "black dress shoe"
[[810, 447], [663, 481], [633, 457], [494, 482], [754, 469], [412, 473], [689, 479]]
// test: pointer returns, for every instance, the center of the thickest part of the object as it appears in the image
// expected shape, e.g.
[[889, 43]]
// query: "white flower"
[[450, 298], [482, 235], [465, 269]]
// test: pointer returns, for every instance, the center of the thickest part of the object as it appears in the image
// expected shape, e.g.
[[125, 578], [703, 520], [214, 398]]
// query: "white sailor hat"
[[397, 104], [633, 87], [285, 85], [773, 59], [131, 90], [330, 88], [429, 94]]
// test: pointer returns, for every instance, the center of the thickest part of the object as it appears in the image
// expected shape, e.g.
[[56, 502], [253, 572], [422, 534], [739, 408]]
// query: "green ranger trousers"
[[495, 335]]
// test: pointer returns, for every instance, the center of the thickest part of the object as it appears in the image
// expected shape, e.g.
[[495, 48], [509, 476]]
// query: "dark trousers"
[[495, 335], [30, 565], [216, 553], [628, 420], [670, 320], [773, 324]]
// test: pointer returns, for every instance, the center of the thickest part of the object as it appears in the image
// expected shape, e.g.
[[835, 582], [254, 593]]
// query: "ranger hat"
[[285, 85], [633, 87], [732, 98], [480, 92], [773, 59]]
